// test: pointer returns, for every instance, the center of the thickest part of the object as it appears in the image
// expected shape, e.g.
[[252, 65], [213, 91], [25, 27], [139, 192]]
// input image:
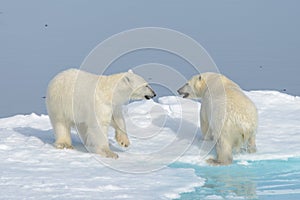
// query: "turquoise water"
[[267, 179]]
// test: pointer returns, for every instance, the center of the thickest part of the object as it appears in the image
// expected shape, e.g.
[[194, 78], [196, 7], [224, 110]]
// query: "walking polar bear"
[[92, 103], [227, 115]]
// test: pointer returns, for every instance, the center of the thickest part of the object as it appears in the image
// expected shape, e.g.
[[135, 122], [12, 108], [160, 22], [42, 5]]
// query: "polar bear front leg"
[[251, 146], [96, 141], [224, 153], [104, 149], [120, 129], [206, 135], [204, 124]]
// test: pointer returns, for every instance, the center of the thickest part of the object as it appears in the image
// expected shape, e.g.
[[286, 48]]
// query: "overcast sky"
[[256, 43]]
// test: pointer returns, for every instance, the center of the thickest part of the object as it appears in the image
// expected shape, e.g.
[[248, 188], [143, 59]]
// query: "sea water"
[[264, 179]]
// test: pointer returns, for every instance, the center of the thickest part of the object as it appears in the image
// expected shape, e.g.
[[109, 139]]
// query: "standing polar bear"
[[227, 115], [92, 103]]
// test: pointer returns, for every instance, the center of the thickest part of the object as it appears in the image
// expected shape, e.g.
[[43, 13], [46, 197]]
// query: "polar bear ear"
[[130, 71], [126, 79]]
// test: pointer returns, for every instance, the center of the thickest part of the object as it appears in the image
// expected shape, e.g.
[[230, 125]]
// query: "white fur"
[[227, 115], [92, 103]]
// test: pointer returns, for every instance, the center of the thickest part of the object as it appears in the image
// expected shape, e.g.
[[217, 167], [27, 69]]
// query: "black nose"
[[150, 96], [153, 93], [179, 91]]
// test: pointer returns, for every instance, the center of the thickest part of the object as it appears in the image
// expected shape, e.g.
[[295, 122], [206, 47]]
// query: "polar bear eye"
[[199, 77]]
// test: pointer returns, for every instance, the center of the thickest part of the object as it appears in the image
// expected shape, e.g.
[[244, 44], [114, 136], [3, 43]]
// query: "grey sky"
[[256, 43]]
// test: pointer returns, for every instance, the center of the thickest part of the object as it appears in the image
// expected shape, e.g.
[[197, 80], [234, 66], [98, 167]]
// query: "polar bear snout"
[[185, 90], [149, 97], [151, 93]]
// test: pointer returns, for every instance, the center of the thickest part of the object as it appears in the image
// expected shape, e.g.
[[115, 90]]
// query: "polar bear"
[[227, 115], [91, 103]]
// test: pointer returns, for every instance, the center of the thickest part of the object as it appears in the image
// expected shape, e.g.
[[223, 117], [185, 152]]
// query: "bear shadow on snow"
[[183, 129], [47, 137]]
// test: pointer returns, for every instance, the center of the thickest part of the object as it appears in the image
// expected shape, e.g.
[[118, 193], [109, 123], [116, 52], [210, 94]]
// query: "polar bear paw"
[[108, 154], [215, 162], [251, 149], [122, 139], [63, 146]]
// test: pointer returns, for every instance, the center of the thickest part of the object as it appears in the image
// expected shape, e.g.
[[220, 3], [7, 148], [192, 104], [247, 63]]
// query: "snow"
[[160, 133]]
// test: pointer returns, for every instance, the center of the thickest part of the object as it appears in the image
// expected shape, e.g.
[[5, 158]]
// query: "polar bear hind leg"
[[62, 136]]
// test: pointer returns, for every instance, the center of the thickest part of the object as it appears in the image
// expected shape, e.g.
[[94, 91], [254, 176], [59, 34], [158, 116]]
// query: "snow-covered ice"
[[160, 133], [32, 168]]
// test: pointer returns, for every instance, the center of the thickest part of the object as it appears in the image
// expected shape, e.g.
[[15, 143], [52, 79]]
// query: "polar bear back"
[[240, 111], [229, 109], [72, 89]]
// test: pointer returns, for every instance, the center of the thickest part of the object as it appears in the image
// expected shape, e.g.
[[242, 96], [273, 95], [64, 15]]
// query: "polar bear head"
[[198, 85], [137, 86]]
